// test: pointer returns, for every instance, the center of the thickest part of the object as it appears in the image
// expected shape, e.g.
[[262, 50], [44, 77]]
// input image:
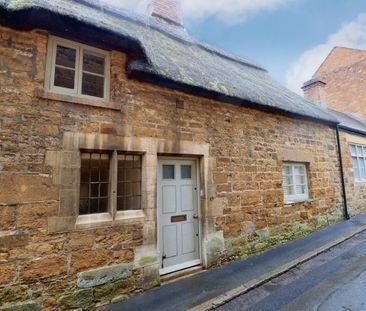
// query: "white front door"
[[178, 223]]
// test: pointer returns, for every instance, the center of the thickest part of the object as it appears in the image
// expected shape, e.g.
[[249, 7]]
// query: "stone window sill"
[[289, 203], [41, 93], [106, 220], [93, 221]]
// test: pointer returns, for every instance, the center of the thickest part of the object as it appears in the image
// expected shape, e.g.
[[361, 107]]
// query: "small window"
[[94, 183], [77, 69], [358, 154], [186, 171], [294, 182], [168, 172], [129, 182]]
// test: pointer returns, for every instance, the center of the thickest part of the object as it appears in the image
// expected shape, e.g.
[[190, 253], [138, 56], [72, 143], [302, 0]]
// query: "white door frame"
[[192, 263]]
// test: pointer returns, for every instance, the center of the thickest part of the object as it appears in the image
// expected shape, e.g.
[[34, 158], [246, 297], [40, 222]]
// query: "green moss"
[[77, 299], [15, 5], [147, 260]]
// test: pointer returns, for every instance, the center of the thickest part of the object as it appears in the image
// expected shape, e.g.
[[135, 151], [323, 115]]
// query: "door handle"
[[195, 216]]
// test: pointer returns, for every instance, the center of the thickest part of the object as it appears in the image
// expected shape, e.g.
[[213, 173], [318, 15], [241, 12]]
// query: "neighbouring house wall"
[[344, 72], [356, 191], [45, 257]]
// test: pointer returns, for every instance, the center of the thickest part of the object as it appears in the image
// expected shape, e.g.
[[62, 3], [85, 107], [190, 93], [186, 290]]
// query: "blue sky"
[[290, 38], [276, 38]]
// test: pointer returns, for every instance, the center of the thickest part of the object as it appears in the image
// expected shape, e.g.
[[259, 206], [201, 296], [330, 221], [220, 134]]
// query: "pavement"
[[215, 287], [332, 281]]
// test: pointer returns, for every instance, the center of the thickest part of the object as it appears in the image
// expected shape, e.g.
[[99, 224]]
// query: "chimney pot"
[[168, 10]]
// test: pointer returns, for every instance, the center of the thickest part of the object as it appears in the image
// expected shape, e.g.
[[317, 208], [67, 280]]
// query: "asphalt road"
[[332, 281]]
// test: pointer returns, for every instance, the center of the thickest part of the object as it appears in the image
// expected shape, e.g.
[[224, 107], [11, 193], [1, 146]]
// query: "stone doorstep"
[[174, 276], [252, 284]]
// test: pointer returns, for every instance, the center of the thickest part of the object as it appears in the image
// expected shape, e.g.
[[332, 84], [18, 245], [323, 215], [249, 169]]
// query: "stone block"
[[24, 306], [60, 224], [26, 188], [7, 273], [69, 204], [13, 239], [250, 198], [151, 277], [7, 217], [214, 248], [85, 260], [103, 275], [80, 298], [43, 268], [36, 215], [14, 294]]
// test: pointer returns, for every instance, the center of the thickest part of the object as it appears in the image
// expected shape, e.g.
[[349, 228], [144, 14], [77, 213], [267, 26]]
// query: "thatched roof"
[[165, 54]]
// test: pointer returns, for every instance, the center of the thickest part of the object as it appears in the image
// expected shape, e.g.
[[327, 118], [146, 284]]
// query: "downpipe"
[[346, 214]]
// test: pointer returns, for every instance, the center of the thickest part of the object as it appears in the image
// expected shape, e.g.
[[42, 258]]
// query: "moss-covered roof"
[[170, 54]]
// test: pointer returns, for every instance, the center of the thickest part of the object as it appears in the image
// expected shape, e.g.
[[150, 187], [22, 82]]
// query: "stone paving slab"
[[214, 287]]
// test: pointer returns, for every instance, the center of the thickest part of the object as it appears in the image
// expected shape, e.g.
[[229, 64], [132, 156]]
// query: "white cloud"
[[351, 34], [228, 11]]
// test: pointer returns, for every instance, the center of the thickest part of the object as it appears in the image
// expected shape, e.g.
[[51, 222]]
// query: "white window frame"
[[360, 157], [80, 48], [295, 197]]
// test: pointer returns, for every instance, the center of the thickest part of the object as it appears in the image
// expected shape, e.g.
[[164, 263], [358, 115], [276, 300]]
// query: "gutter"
[[352, 130], [346, 214]]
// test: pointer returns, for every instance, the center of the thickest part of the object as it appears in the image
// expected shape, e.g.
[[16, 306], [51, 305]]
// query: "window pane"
[[286, 170], [65, 56], [104, 190], [299, 179], [355, 167], [93, 192], [186, 171], [103, 204], [361, 165], [136, 188], [136, 204], [288, 190], [84, 207], [359, 151], [300, 189], [287, 180], [133, 174], [92, 85], [93, 63], [94, 175], [84, 191], [128, 188], [94, 189], [137, 161], [299, 169], [129, 182], [94, 207], [128, 161], [64, 78], [168, 171], [353, 150]]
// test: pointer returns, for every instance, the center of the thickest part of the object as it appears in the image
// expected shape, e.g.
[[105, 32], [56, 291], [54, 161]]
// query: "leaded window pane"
[[94, 183], [129, 182]]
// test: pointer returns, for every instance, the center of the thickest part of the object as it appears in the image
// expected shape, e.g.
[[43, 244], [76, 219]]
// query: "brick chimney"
[[314, 90], [168, 10]]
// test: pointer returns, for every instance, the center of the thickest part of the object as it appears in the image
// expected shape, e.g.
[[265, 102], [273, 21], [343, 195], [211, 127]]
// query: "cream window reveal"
[[295, 183], [77, 69]]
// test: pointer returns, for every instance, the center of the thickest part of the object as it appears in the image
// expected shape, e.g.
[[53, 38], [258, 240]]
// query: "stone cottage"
[[129, 150]]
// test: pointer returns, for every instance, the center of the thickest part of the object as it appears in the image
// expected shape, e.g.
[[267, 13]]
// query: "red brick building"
[[339, 83]]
